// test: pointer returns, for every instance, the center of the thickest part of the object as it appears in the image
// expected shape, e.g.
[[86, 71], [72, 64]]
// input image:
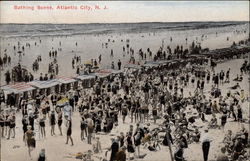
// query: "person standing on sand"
[[56, 69], [223, 117], [42, 125], [114, 149], [154, 112], [216, 80], [227, 76], [119, 64], [205, 140], [59, 119], [83, 127], [52, 122], [29, 137], [130, 145], [69, 132], [41, 77], [112, 53], [2, 121], [90, 126], [7, 77], [112, 65], [12, 120], [100, 58], [25, 127], [73, 63], [95, 63], [124, 113]]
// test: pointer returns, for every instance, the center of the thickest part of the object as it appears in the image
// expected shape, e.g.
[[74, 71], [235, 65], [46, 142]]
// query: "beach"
[[91, 45], [57, 150]]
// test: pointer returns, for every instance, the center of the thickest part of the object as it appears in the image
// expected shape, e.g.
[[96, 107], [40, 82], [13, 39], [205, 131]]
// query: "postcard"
[[124, 80]]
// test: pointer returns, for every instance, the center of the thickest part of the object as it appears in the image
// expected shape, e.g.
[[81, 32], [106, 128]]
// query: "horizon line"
[[2, 23]]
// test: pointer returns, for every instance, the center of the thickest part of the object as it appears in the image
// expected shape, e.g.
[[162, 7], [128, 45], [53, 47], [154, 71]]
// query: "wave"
[[32, 30]]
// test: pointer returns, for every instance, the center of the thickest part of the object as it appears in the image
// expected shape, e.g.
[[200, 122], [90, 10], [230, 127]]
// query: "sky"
[[125, 11]]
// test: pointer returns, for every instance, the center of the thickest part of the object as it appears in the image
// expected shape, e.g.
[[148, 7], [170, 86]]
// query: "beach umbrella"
[[87, 63], [62, 101]]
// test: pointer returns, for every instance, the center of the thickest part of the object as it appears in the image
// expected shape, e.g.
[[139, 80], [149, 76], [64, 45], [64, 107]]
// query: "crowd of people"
[[6, 60], [154, 100], [35, 65]]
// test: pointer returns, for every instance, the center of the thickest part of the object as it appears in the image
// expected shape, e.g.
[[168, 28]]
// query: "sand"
[[56, 149], [90, 47]]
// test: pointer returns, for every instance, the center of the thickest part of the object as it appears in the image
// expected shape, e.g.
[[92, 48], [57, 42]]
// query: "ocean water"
[[15, 30]]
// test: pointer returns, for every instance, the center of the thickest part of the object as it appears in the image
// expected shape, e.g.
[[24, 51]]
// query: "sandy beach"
[[124, 81], [90, 46], [56, 149]]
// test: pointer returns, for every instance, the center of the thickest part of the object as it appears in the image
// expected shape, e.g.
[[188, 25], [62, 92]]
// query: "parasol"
[[88, 63], [62, 101]]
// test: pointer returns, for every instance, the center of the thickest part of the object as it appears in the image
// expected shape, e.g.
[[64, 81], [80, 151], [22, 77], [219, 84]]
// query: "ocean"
[[36, 30]]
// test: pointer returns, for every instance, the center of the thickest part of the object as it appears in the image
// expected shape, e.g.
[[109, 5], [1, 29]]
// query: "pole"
[[169, 146]]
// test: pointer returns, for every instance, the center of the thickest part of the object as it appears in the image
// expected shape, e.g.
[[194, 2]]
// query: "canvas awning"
[[65, 80], [151, 64], [85, 77], [116, 71], [102, 73], [17, 88], [44, 84], [7, 90], [133, 66]]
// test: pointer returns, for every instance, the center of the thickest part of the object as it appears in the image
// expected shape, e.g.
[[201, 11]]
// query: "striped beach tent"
[[102, 73], [151, 64], [65, 80], [7, 90], [116, 71], [87, 80], [85, 77], [44, 84], [133, 66], [17, 88]]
